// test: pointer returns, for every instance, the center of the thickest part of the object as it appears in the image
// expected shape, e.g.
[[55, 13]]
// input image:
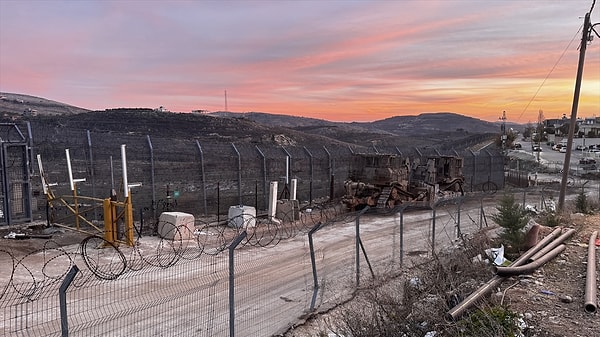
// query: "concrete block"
[[176, 226]]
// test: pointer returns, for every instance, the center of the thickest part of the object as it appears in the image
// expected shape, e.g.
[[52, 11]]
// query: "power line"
[[549, 73]]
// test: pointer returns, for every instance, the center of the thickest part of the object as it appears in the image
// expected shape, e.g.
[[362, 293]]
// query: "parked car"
[[581, 147], [587, 164], [536, 148], [563, 150]]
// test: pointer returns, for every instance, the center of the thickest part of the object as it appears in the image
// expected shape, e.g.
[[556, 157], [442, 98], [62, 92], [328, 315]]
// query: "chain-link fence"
[[258, 278], [206, 179]]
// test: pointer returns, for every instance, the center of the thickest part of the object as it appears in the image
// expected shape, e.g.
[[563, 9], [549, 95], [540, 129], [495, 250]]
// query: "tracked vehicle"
[[384, 181]]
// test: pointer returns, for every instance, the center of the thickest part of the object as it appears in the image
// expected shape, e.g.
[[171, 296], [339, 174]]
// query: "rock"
[[528, 315], [566, 299]]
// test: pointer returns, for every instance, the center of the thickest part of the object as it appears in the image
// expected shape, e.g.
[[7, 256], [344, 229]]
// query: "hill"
[[412, 131], [423, 130], [18, 104]]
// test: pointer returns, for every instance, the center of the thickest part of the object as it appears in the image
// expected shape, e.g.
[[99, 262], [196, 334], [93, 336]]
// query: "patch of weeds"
[[496, 321], [581, 203], [551, 219]]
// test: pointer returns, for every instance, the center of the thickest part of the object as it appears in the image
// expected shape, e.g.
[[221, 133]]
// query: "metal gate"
[[15, 154]]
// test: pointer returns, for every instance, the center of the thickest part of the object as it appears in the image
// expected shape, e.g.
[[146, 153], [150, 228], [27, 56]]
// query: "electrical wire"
[[549, 73]]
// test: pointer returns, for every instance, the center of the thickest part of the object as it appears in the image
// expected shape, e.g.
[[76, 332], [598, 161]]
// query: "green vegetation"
[[581, 203], [512, 218], [493, 321]]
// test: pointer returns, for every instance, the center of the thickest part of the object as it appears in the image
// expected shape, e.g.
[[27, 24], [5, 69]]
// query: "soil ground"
[[551, 299]]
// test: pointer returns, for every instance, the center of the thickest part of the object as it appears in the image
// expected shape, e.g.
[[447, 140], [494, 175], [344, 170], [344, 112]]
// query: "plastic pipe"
[[590, 303], [551, 246], [459, 309], [529, 267]]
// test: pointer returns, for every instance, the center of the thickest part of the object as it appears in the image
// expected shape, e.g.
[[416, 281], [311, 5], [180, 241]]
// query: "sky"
[[338, 60]]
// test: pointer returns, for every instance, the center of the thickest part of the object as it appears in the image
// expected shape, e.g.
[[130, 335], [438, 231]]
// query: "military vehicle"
[[385, 181]]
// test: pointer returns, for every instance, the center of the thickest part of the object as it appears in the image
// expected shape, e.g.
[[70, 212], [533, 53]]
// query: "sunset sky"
[[338, 60]]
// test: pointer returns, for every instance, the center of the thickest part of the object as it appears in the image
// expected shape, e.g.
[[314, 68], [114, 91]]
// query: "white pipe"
[[293, 189], [272, 200], [69, 170], [124, 163], [287, 170], [42, 176]]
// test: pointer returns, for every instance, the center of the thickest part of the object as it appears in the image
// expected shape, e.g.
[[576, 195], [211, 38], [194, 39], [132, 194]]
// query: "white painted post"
[[272, 200], [124, 163], [69, 170], [293, 189]]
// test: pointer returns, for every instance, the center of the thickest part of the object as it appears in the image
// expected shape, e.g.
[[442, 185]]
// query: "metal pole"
[[203, 176], [401, 236], [62, 298], [433, 233], [264, 169], [232, 247], [124, 167], [565, 175], [310, 192], [89, 139], [356, 250], [313, 262], [152, 176], [458, 232], [239, 174], [330, 172]]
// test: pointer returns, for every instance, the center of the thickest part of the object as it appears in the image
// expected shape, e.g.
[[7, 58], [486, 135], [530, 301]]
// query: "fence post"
[[232, 247], [203, 175], [458, 232], [264, 160], [239, 174], [310, 191], [359, 245], [152, 177], [62, 297], [401, 236], [433, 232], [356, 248], [313, 262], [330, 173], [92, 173]]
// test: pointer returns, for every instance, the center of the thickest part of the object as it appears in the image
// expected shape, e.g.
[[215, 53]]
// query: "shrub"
[[512, 218], [493, 321], [581, 203]]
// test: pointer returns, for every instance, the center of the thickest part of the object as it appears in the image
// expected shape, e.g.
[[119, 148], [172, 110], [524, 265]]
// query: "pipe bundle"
[[542, 252]]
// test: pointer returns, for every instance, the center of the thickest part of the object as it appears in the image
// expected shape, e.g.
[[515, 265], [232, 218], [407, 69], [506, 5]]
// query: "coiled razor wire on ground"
[[107, 261]]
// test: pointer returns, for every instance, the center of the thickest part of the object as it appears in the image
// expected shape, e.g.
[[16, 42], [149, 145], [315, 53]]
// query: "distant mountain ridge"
[[426, 129]]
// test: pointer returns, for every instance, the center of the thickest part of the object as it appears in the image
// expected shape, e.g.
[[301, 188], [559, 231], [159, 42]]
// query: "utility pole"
[[586, 36], [503, 127]]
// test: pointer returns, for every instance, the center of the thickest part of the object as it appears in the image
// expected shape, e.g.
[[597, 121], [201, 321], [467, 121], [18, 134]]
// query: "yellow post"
[[76, 206], [129, 221], [109, 222]]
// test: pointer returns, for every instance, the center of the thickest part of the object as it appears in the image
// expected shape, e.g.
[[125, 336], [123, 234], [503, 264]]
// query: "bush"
[[416, 303], [581, 203], [512, 218], [493, 321]]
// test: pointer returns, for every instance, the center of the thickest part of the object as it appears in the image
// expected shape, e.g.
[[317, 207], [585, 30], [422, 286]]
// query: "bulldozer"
[[385, 181]]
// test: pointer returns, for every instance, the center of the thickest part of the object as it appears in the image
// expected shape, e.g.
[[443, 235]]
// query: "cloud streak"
[[338, 60]]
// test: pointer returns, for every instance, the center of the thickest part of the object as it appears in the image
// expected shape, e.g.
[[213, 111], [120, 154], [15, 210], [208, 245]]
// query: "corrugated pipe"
[[590, 279], [460, 308], [551, 245], [529, 267]]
